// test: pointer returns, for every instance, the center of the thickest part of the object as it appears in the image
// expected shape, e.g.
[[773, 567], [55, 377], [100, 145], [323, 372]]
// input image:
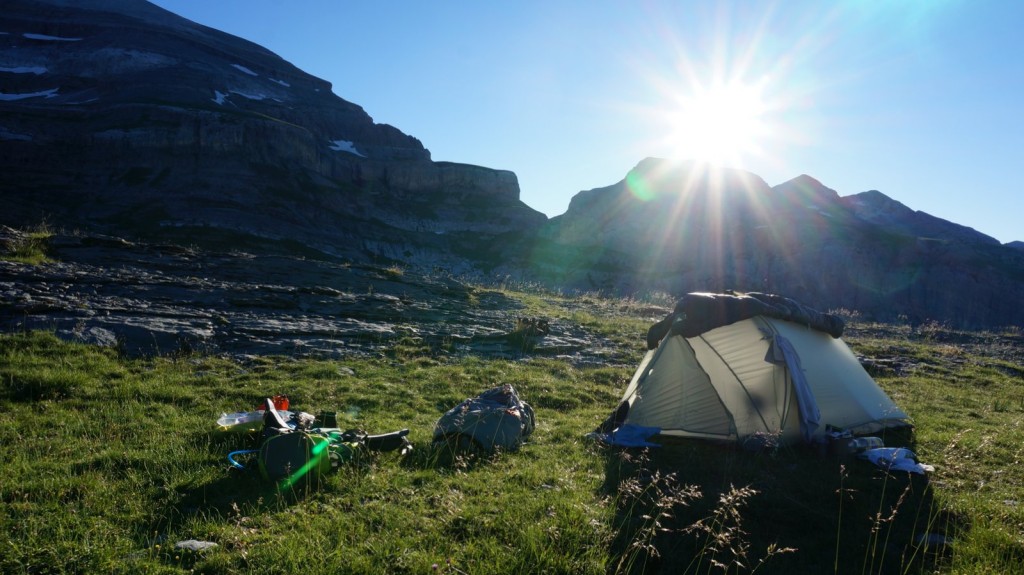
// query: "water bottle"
[[864, 443]]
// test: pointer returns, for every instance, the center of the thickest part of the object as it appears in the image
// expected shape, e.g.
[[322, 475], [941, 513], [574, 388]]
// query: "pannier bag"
[[294, 455]]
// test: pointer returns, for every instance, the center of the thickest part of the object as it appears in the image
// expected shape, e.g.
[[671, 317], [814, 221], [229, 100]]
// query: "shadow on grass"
[[695, 507], [236, 489], [456, 452], [232, 488]]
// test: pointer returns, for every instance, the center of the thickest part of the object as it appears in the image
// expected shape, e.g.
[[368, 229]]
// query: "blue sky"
[[920, 99]]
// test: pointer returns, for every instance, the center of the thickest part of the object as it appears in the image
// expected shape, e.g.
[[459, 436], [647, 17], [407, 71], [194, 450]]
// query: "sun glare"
[[720, 124]]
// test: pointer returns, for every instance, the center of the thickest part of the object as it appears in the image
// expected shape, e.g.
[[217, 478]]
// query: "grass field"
[[109, 461]]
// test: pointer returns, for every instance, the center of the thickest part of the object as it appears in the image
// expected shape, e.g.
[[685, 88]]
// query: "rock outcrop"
[[166, 299]]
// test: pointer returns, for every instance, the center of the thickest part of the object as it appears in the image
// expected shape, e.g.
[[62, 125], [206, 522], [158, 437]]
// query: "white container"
[[849, 445], [246, 420], [864, 443]]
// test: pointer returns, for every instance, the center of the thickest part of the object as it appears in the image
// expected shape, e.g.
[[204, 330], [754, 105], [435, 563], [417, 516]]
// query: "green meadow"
[[109, 461]]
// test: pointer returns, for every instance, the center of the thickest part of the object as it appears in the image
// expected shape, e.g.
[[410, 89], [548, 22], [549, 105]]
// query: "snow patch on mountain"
[[251, 96], [31, 36], [221, 98], [12, 97], [37, 70], [345, 146], [245, 70]]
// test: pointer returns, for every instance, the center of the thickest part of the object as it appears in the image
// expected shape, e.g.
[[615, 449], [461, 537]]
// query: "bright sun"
[[720, 124]]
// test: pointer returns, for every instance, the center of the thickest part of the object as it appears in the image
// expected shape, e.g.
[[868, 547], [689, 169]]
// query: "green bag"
[[294, 457]]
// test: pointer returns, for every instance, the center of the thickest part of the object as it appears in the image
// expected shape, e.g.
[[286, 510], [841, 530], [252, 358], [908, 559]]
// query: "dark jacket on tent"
[[697, 313]]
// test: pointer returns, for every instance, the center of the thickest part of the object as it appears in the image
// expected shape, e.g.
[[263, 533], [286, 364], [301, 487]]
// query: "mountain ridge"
[[864, 252], [123, 118]]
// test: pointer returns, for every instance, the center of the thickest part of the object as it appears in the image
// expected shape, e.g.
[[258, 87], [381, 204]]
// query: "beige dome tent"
[[731, 367]]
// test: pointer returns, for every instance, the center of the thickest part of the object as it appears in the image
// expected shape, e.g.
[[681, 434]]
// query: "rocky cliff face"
[[687, 227], [121, 116]]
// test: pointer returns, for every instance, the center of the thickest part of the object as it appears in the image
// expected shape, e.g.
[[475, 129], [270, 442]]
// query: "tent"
[[734, 367]]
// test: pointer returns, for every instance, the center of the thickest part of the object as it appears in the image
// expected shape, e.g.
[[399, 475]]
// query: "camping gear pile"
[[297, 446], [872, 449]]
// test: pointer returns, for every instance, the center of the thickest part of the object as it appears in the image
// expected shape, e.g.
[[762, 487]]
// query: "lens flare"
[[317, 453], [638, 186]]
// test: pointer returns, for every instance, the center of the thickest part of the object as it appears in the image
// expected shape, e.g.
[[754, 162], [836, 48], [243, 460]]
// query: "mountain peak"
[[874, 205], [807, 192], [805, 180], [685, 176]]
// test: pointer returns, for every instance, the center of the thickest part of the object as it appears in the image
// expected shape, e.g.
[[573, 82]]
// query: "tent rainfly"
[[734, 367]]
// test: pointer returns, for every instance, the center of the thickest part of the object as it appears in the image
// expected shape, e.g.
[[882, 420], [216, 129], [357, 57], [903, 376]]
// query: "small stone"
[[195, 545], [91, 335]]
